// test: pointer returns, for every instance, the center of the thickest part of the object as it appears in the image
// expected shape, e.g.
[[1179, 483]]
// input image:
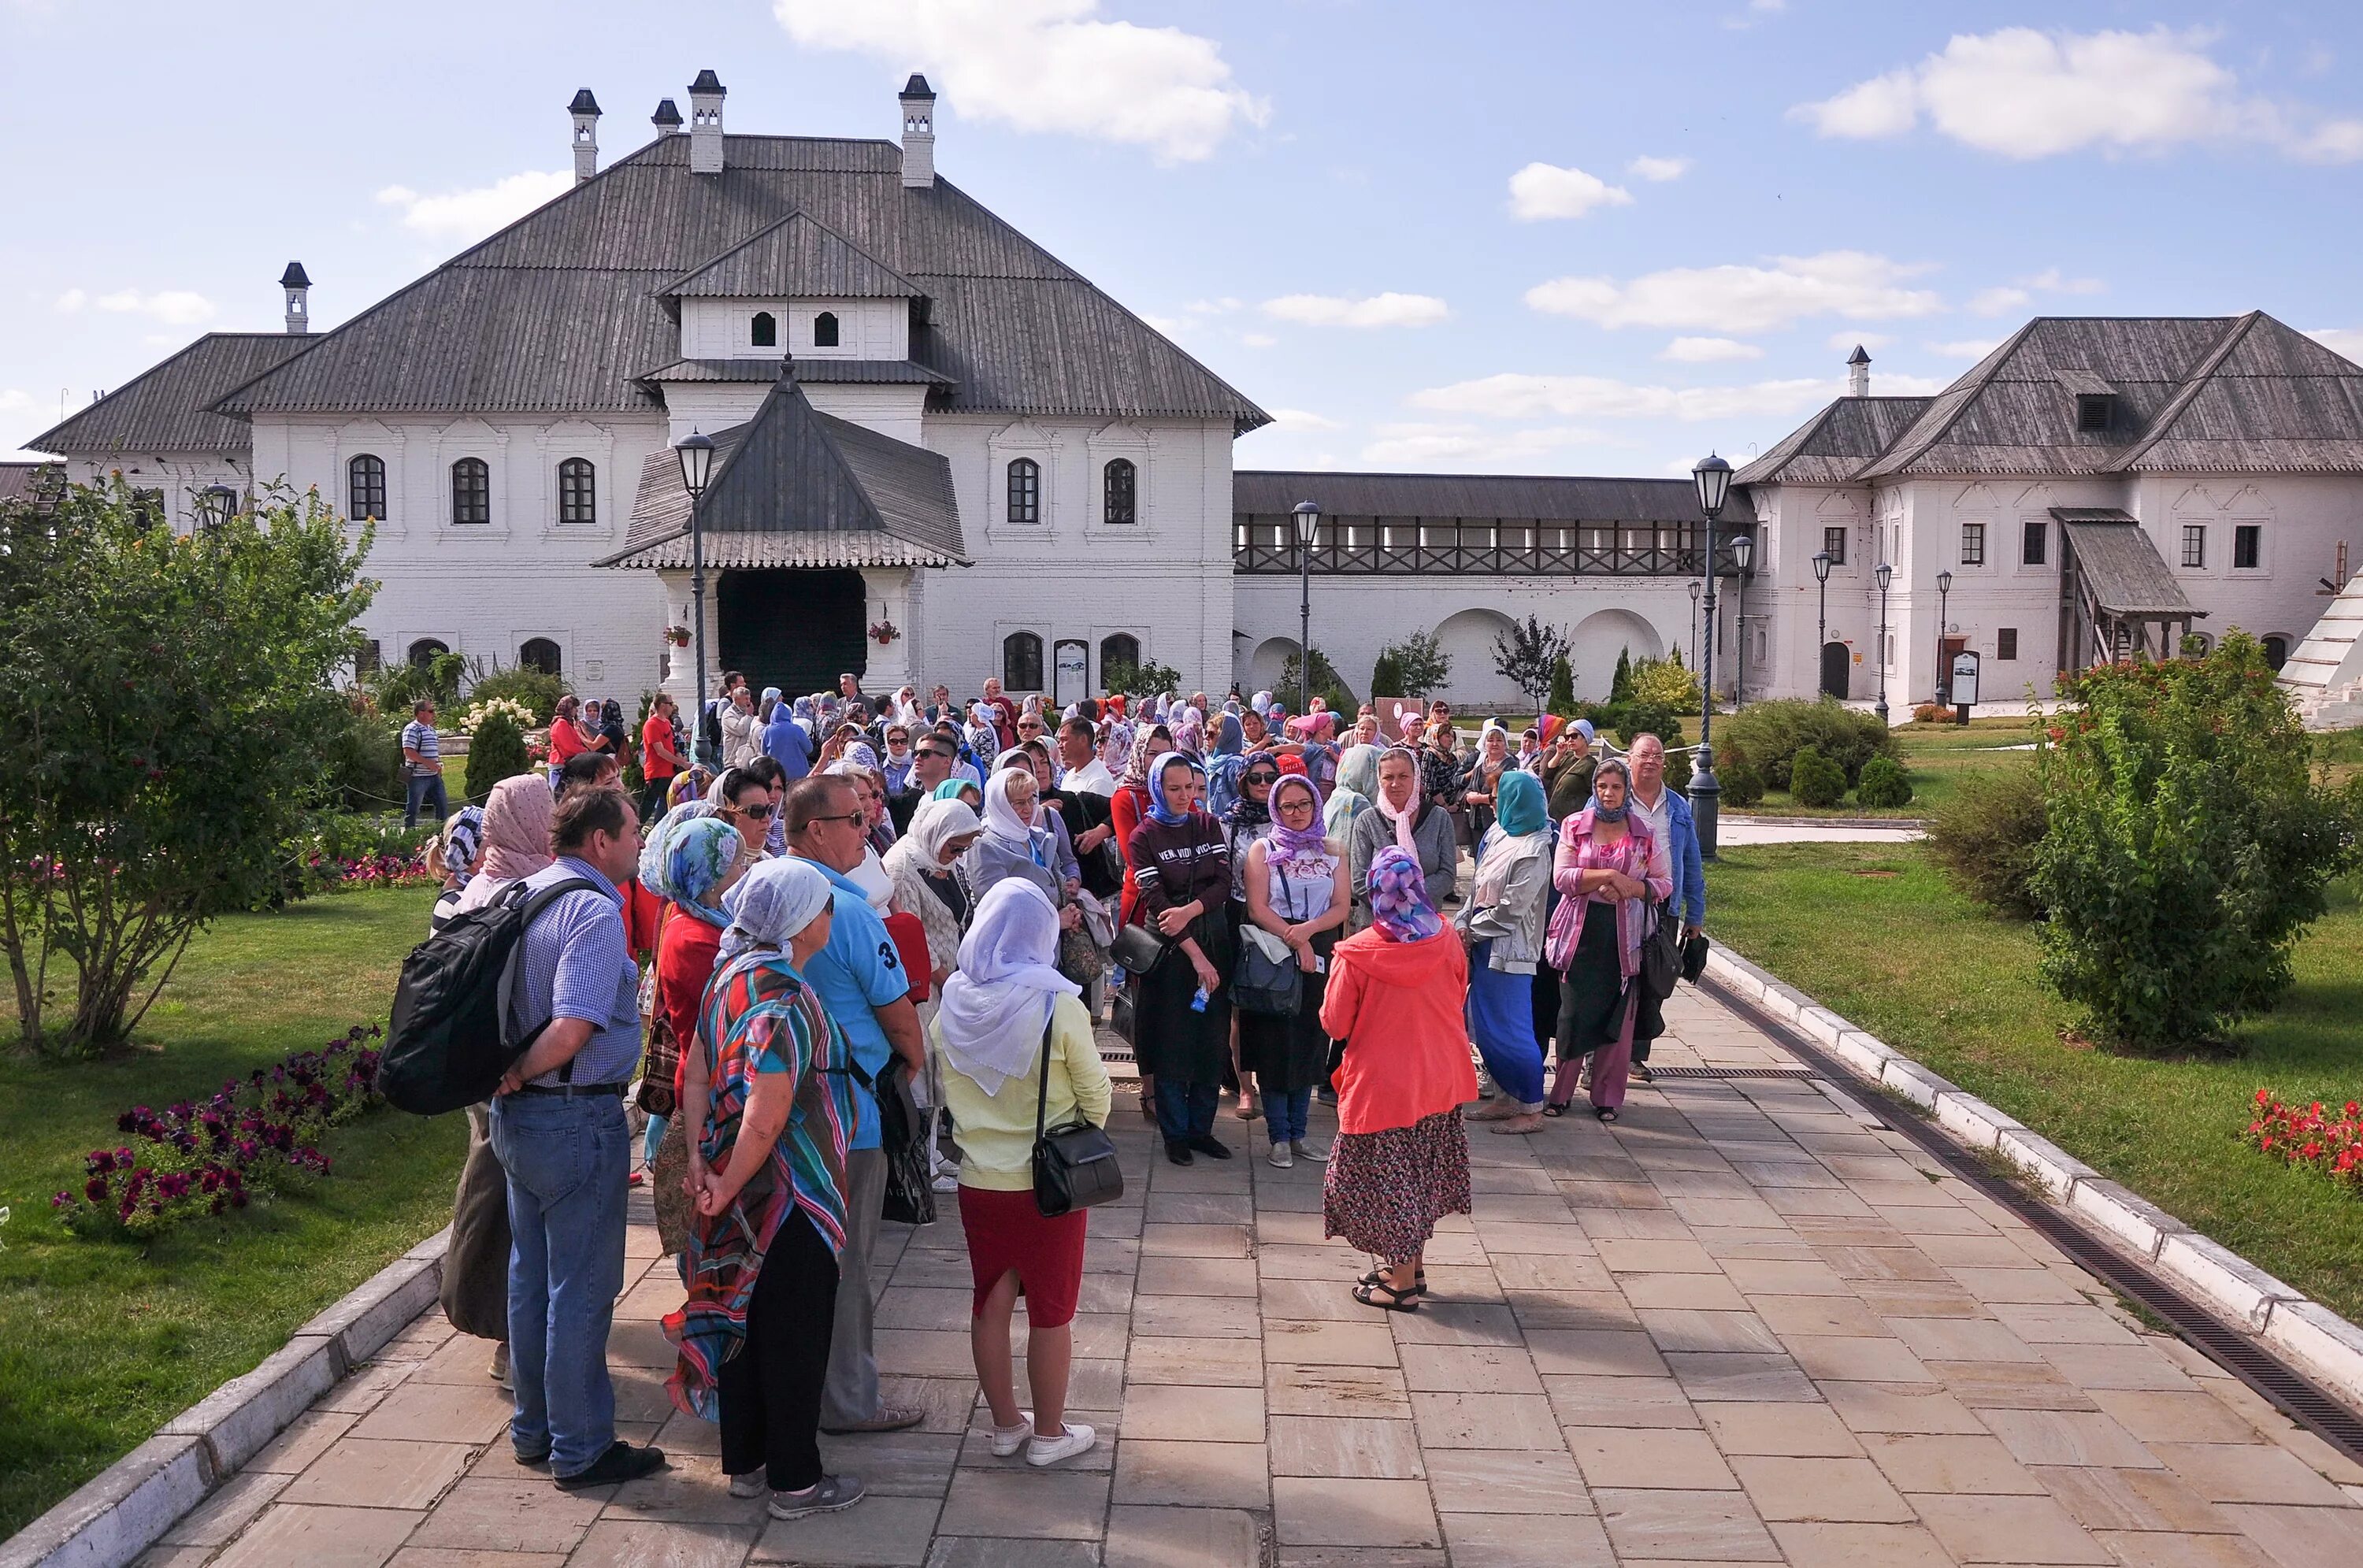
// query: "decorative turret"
[[298, 284], [1858, 372], [705, 123], [585, 110], [918, 102], [667, 120]]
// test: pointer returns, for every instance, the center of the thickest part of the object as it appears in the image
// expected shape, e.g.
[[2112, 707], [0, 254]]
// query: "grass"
[[1878, 934], [1936, 757], [102, 1341]]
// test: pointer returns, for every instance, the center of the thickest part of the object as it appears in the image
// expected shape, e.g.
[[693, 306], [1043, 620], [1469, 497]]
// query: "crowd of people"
[[835, 942]]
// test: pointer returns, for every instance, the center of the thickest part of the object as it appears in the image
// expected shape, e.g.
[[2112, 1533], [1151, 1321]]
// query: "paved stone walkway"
[[1742, 1326]]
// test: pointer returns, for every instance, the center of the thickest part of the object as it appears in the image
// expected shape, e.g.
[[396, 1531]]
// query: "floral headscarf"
[[684, 860], [1399, 897]]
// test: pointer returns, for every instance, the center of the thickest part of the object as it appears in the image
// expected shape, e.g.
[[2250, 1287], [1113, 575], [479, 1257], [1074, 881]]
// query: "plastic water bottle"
[[1198, 1000]]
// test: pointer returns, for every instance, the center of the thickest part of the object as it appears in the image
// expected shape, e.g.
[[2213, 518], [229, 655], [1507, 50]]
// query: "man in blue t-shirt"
[[865, 990]]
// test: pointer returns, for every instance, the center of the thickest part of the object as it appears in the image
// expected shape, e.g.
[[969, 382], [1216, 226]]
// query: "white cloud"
[[1046, 65], [174, 307], [471, 214], [2346, 341], [2022, 92], [1301, 419], [1546, 191], [1515, 397], [1376, 310], [1647, 167], [1258, 339], [1419, 443], [71, 301], [1708, 350], [1745, 299], [1844, 339], [2005, 298], [1998, 300], [1891, 385], [1170, 326], [1965, 347]]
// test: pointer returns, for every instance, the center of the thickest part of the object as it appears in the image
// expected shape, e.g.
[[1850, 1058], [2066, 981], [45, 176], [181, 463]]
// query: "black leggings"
[[770, 1389]]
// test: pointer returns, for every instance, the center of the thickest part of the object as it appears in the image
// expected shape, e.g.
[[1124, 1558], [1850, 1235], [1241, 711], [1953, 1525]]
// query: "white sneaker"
[[1079, 1437], [1314, 1152], [947, 1184], [1007, 1440], [754, 1484], [1281, 1158]]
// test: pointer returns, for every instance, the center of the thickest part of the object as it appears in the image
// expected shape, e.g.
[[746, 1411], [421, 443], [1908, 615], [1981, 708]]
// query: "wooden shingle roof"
[[1270, 492], [167, 409]]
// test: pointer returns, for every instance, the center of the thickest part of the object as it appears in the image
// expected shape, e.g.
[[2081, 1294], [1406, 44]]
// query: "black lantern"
[[1713, 477], [216, 504], [1822, 621], [1882, 574], [1822, 565], [1308, 522], [1743, 556], [696, 455], [1944, 674]]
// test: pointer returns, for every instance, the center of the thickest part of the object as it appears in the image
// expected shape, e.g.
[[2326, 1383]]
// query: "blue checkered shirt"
[[576, 963]]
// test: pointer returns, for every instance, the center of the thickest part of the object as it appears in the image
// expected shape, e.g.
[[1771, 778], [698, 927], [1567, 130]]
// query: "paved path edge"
[[2310, 1336], [128, 1507]]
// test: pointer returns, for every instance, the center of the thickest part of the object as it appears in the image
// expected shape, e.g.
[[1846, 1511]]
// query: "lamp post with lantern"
[[1822, 620], [1883, 574], [1308, 522], [1713, 478], [1694, 607], [1743, 556], [696, 454], [1944, 676], [216, 504]]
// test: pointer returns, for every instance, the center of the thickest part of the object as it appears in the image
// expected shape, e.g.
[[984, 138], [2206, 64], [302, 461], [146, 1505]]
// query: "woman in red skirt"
[[1008, 1018]]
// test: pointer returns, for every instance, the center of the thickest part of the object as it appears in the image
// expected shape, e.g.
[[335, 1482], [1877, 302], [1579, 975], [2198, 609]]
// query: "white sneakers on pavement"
[[1007, 1440], [1077, 1438]]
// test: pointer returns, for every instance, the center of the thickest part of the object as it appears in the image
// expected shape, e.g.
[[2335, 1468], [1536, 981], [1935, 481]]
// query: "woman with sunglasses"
[[745, 802], [1296, 890]]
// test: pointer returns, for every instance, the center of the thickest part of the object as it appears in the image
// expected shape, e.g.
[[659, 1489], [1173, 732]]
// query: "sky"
[[1575, 238]]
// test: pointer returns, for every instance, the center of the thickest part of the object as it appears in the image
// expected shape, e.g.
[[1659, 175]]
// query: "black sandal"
[[1553, 1111], [1379, 1276], [1367, 1293], [1606, 1112]]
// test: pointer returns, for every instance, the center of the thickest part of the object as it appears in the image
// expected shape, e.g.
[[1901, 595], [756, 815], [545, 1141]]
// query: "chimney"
[[667, 120], [705, 123], [298, 284], [918, 134], [585, 110], [1859, 373]]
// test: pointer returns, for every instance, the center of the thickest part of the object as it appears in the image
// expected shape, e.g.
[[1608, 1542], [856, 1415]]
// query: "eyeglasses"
[[1259, 778], [841, 817], [753, 814]]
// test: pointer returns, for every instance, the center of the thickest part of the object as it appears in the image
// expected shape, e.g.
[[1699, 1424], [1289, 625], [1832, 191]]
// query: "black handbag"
[[1661, 954], [1694, 958], [1265, 985], [903, 1138], [1075, 1166], [1136, 949]]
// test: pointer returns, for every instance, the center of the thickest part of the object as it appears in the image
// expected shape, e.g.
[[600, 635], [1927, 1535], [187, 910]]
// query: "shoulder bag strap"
[[1042, 1092]]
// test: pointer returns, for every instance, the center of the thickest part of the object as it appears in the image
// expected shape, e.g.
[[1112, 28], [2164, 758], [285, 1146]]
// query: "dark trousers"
[[652, 798], [771, 1390], [424, 787], [1185, 1111]]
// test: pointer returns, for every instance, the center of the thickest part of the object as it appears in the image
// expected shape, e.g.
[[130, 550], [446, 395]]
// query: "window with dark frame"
[[2248, 544], [371, 659], [2092, 410], [824, 330], [1021, 662], [1973, 544], [2006, 643], [578, 492], [472, 491], [2194, 544], [1120, 650], [1120, 487], [425, 651], [2277, 651], [365, 487], [1025, 499], [763, 332], [1834, 544], [541, 654], [2034, 542]]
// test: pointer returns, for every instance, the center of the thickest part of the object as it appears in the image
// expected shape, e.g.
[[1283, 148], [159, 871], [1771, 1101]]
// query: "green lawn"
[[101, 1342], [1876, 933], [1935, 756]]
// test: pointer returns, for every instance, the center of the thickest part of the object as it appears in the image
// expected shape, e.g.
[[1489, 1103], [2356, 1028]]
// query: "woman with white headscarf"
[[766, 1090], [1009, 1020], [1012, 844], [923, 867]]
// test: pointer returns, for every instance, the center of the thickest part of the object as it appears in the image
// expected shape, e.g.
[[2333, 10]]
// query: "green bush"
[[1883, 784], [1387, 677], [1419, 664], [1664, 683], [397, 688], [1325, 684], [1985, 837], [1814, 779], [538, 691], [1742, 781], [496, 751], [2186, 845], [1563, 688], [1633, 719], [1620, 685], [1678, 771], [362, 760], [1772, 734]]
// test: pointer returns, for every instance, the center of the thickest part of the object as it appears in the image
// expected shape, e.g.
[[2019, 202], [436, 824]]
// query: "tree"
[[168, 707], [1563, 688], [1664, 683], [1620, 685], [496, 751], [1524, 655], [1421, 664], [1140, 680], [1326, 684]]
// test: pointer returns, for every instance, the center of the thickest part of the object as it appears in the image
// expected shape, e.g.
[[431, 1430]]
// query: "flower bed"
[[2312, 1137], [255, 1135], [341, 874]]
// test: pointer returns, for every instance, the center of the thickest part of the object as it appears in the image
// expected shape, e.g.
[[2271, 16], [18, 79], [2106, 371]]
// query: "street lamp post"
[[1944, 676], [1822, 621], [1713, 478], [696, 455], [216, 504], [1308, 520], [1695, 642], [1743, 555], [1885, 574]]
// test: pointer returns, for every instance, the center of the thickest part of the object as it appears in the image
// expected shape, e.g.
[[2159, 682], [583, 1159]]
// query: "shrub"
[[1678, 771], [1772, 732], [1325, 684], [1814, 779], [536, 692], [1637, 719], [2185, 848], [496, 751], [1883, 784], [1985, 838], [1419, 664], [1563, 688], [1387, 677], [1742, 781], [1620, 685], [361, 758], [1930, 714], [1664, 683]]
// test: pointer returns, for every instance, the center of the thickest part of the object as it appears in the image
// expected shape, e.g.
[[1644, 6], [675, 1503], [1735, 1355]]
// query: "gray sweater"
[[1439, 856]]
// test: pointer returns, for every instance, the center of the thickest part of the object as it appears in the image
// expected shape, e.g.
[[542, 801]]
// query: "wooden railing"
[[1417, 547]]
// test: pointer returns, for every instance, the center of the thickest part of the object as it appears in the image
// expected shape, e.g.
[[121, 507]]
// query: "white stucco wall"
[[866, 329]]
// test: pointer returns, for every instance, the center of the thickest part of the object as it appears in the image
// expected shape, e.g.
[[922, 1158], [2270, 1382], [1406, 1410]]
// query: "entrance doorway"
[[1947, 648], [1837, 661], [794, 630]]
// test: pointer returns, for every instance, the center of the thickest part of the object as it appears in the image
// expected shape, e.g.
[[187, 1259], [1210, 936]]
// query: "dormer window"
[[824, 330], [2093, 410], [764, 333]]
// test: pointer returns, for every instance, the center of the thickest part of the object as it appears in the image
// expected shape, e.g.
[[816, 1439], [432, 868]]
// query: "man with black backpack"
[[559, 1128]]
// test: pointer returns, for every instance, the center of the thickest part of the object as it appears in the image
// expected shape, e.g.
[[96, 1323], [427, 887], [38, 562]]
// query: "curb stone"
[[2320, 1342], [128, 1507]]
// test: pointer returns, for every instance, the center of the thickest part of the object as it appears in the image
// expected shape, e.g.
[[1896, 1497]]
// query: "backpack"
[[449, 1040]]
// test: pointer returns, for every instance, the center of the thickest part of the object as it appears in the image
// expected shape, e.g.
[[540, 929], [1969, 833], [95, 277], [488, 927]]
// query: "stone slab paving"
[[1741, 1326]]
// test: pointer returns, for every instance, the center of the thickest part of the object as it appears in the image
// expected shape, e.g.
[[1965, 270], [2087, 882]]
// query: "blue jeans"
[[423, 785], [566, 1158], [1286, 1113], [1186, 1110]]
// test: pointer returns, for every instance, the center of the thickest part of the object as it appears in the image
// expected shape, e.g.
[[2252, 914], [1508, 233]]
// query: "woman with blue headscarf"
[[1182, 1007], [1502, 923], [1223, 768], [691, 861]]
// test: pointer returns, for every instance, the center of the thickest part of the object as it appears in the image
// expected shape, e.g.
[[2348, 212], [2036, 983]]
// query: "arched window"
[[2277, 651], [472, 491], [578, 500], [824, 330], [365, 487], [766, 330], [1121, 485], [1119, 652], [425, 651], [541, 654], [1021, 662], [1026, 504]]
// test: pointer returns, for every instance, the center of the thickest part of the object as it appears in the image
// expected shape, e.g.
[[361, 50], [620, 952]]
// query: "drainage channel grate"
[[2288, 1389], [1658, 1072]]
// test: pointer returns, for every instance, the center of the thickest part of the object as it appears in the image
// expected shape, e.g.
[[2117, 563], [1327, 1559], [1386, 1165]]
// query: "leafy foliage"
[[496, 751], [1620, 685], [1562, 687], [361, 757], [1742, 781], [1637, 719], [1814, 779], [1528, 656], [1664, 683], [1140, 680], [1985, 838], [538, 693], [1883, 784], [1325, 684], [1772, 734], [1419, 664], [161, 731], [2186, 846], [398, 687]]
